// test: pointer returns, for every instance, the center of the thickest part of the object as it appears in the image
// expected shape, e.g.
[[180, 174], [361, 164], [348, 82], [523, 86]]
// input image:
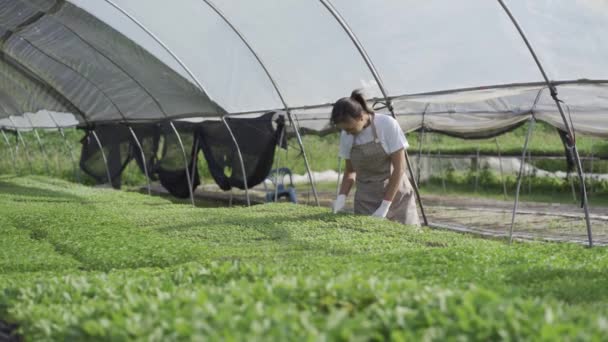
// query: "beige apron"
[[373, 167]]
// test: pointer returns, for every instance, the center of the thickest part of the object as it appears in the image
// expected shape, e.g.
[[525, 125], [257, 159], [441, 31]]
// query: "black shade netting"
[[170, 166], [115, 140], [256, 138], [148, 136]]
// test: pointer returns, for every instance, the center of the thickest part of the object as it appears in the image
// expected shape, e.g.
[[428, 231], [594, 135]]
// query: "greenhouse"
[[504, 104]]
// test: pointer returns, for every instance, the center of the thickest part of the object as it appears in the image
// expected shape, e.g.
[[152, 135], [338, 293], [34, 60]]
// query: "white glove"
[[382, 209], [338, 204]]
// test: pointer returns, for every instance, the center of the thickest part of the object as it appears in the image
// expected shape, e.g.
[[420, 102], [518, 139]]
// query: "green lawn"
[[87, 264]]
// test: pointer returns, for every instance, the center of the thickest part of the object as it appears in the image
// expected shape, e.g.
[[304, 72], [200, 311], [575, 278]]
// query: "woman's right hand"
[[338, 204]]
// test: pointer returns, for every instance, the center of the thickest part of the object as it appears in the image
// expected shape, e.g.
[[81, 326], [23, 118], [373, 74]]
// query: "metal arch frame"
[[143, 158], [570, 130], [520, 176], [201, 88], [502, 173], [278, 164], [187, 169], [63, 97], [334, 12], [276, 88], [74, 107], [118, 66], [130, 77], [108, 173], [422, 135], [68, 147], [20, 138], [103, 155], [80, 112], [10, 148], [42, 149]]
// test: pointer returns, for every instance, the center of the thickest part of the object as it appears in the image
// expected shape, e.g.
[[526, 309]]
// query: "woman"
[[373, 147]]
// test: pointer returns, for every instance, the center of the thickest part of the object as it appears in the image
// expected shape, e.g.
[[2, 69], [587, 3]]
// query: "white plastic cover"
[[469, 77]]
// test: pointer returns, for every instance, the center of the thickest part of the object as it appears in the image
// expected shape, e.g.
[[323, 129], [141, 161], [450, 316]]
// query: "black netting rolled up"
[[170, 167], [115, 140], [257, 139]]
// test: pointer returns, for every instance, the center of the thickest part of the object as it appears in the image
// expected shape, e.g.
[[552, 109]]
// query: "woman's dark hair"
[[349, 107]]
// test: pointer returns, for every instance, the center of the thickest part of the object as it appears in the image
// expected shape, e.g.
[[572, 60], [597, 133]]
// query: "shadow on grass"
[[247, 222], [271, 229], [33, 193]]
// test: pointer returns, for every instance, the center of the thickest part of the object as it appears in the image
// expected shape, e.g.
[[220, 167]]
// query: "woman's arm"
[[349, 178], [398, 163]]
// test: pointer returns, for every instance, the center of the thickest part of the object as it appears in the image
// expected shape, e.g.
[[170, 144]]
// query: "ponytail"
[[349, 107], [357, 95]]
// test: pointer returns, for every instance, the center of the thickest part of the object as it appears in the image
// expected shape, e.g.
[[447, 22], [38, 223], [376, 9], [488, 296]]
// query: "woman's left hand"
[[382, 210]]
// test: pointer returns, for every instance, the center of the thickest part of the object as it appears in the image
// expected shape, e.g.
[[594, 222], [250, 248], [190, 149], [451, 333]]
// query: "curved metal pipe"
[[132, 78], [42, 149], [420, 143], [441, 172], [278, 165], [194, 78], [103, 155], [68, 147], [339, 173], [109, 99], [187, 169], [278, 91], [476, 169], [334, 12], [570, 130], [20, 138], [87, 43], [519, 177], [143, 158], [10, 148], [71, 152], [502, 173], [240, 159], [85, 78]]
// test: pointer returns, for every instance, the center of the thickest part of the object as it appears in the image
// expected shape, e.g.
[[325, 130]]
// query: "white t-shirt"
[[389, 133]]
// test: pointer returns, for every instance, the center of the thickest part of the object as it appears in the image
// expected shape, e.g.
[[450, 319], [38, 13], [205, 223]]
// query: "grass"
[[322, 152], [534, 189], [544, 141], [96, 264]]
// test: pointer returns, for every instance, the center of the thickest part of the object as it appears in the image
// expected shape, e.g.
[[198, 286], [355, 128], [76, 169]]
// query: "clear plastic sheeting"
[[121, 60], [202, 41], [422, 46], [569, 36], [585, 106], [306, 51], [43, 119]]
